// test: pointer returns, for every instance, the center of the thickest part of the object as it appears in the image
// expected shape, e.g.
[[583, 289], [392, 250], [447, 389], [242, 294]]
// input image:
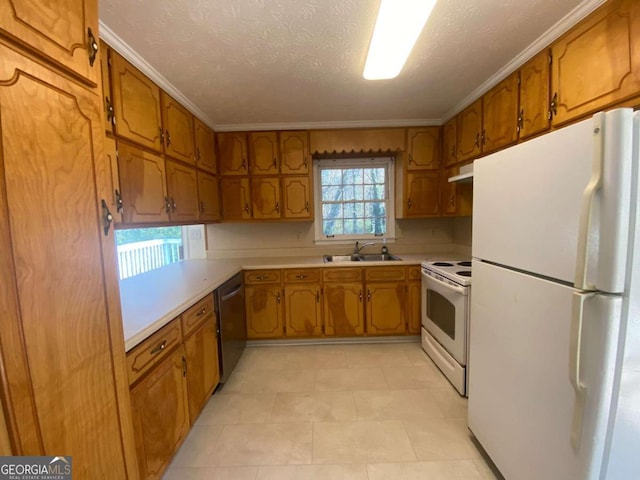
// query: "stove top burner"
[[442, 264], [464, 273], [464, 264]]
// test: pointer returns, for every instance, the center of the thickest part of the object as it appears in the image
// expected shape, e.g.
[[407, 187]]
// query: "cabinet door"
[[303, 310], [182, 185], [296, 198], [423, 194], [65, 32], [469, 130], [62, 366], [423, 148], [534, 96], [235, 197], [500, 115], [209, 196], [178, 130], [136, 104], [265, 194], [203, 372], [205, 147], [144, 186], [449, 192], [115, 195], [343, 309], [107, 96], [414, 307], [264, 311], [160, 414], [386, 304], [449, 153], [294, 153], [597, 63], [263, 153], [232, 153]]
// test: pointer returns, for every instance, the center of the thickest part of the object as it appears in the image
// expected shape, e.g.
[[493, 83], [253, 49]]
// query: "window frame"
[[386, 162]]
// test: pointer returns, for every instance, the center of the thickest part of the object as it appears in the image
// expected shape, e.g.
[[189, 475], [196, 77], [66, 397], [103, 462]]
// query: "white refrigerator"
[[554, 358]]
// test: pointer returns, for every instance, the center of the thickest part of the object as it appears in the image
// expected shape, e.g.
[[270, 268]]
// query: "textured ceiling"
[[250, 62]]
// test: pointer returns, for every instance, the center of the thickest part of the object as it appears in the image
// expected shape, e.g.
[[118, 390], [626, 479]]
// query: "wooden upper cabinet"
[[232, 153], [422, 194], [264, 311], [296, 198], [449, 151], [303, 310], [265, 195], [136, 103], [182, 187], [115, 194], [107, 96], [209, 196], [500, 115], [597, 63], [423, 148], [144, 185], [294, 152], [236, 197], [263, 153], [178, 130], [534, 96], [469, 131], [65, 32], [205, 147]]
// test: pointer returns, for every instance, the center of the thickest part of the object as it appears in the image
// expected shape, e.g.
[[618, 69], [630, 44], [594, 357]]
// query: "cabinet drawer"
[[414, 272], [384, 274], [342, 275], [196, 314], [153, 349], [257, 277], [302, 275]]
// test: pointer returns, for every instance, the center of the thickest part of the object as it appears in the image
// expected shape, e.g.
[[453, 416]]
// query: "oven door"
[[444, 315]]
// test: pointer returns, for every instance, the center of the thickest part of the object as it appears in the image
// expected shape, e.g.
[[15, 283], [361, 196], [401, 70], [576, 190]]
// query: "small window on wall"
[[354, 199], [143, 249]]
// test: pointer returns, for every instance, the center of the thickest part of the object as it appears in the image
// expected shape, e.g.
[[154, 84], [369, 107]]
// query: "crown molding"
[[141, 64], [562, 26], [253, 127]]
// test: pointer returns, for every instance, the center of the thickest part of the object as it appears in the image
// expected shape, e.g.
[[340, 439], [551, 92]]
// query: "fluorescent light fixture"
[[397, 28]]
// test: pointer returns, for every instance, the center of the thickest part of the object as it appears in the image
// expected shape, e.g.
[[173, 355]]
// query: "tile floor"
[[367, 411]]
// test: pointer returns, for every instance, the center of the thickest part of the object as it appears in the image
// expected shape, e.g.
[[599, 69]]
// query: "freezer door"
[[523, 408]]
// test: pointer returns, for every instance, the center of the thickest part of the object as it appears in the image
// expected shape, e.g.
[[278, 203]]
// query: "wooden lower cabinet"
[[386, 308], [160, 414], [303, 310], [343, 309], [414, 307], [264, 311]]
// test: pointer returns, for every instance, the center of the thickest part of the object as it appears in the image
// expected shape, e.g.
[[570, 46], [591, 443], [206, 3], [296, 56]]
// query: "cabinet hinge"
[[519, 79], [550, 59]]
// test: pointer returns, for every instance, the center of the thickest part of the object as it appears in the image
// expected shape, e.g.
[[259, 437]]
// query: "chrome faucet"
[[358, 247]]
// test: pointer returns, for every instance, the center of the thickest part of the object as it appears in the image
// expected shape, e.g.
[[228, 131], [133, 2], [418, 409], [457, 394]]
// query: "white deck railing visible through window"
[[140, 257]]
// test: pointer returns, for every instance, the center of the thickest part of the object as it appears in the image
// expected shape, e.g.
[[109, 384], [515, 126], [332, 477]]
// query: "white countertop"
[[151, 300]]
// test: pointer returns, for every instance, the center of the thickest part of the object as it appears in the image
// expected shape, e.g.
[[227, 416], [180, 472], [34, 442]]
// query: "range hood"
[[465, 175]]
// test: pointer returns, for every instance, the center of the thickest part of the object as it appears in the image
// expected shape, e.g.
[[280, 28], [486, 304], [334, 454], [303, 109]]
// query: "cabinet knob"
[[553, 106], [198, 157], [246, 207], [173, 205], [368, 295], [92, 47], [410, 160], [158, 348], [277, 207], [244, 164], [107, 217], [184, 366], [168, 138], [360, 295], [119, 202], [307, 206], [409, 203], [111, 113], [167, 205], [304, 162], [477, 140], [201, 206]]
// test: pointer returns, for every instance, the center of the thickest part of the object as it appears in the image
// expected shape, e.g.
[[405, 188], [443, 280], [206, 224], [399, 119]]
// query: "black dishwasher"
[[231, 323]]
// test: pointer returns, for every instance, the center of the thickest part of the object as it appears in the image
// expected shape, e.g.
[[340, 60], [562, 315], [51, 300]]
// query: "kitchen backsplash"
[[462, 231]]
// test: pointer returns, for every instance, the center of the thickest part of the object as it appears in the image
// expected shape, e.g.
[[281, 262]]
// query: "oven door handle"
[[460, 290]]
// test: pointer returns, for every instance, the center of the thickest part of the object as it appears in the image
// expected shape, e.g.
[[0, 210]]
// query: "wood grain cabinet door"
[[422, 194], [182, 187], [265, 195], [160, 414], [65, 32], [236, 197], [500, 115], [296, 198], [144, 185], [294, 153], [534, 115], [449, 192], [303, 310], [343, 309], [136, 104], [386, 305], [423, 148], [205, 147], [414, 307], [209, 196], [203, 371], [107, 95], [597, 63], [263, 153], [449, 151], [264, 311], [232, 153], [115, 195], [469, 131], [178, 130]]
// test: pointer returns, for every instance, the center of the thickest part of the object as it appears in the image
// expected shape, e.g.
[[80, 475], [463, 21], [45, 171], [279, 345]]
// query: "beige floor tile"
[[313, 407], [396, 404], [441, 439], [416, 355], [415, 377], [313, 472], [316, 357], [250, 381], [350, 379], [377, 355], [262, 358], [450, 402], [197, 449], [449, 470], [235, 408], [264, 444], [211, 473], [361, 442]]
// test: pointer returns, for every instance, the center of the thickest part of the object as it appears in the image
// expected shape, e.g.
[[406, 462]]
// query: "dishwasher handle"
[[232, 293]]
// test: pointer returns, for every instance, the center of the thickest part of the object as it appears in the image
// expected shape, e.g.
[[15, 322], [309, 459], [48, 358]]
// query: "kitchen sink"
[[341, 258], [373, 257]]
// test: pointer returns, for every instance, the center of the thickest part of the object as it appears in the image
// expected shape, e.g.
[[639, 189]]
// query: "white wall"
[[462, 232]]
